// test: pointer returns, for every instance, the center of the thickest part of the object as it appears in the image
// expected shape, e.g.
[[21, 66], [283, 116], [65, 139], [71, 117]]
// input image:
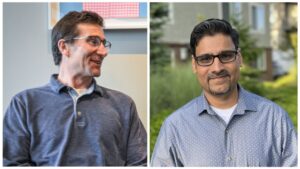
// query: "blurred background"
[[268, 42], [28, 61]]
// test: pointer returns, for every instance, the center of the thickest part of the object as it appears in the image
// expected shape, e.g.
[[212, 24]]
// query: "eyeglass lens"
[[208, 59]]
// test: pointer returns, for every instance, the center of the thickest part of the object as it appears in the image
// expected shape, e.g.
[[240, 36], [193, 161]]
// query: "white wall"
[[127, 73]]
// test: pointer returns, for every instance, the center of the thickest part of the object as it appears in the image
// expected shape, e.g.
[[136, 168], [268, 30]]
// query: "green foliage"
[[158, 51], [247, 43], [156, 122], [293, 39], [286, 97], [175, 87], [169, 90], [172, 88], [249, 79]]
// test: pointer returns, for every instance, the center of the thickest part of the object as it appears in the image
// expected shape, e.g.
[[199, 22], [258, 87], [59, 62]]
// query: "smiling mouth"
[[97, 62], [219, 80], [218, 77]]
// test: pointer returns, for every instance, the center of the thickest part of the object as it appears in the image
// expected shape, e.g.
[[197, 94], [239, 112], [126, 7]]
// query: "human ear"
[[194, 65], [240, 58], [63, 47]]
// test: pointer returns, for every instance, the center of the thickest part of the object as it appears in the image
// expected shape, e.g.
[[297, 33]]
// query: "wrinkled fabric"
[[48, 126], [259, 133]]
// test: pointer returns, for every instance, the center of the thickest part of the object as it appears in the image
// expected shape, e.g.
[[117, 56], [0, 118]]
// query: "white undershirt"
[[225, 114], [80, 91]]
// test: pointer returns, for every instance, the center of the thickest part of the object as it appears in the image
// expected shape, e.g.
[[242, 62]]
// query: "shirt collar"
[[245, 103], [97, 88], [58, 87], [203, 105]]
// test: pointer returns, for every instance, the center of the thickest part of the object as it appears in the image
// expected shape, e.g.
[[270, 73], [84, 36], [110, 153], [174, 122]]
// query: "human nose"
[[102, 50], [217, 65]]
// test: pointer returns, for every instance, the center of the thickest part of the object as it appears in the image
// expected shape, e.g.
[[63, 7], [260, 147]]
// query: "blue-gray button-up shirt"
[[259, 133], [50, 126]]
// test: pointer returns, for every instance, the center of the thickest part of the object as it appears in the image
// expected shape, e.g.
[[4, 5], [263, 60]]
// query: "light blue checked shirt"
[[259, 133]]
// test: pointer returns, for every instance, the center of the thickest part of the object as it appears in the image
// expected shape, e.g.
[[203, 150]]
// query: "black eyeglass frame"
[[235, 52]]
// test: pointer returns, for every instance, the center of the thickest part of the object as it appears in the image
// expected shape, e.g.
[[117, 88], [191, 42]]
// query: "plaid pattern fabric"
[[114, 9]]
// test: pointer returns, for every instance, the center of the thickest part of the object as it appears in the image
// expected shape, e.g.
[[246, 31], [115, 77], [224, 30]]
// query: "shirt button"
[[79, 113], [229, 158]]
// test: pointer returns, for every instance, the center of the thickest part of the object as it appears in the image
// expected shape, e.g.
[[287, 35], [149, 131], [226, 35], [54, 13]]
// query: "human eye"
[[227, 56], [105, 42], [204, 58], [94, 40]]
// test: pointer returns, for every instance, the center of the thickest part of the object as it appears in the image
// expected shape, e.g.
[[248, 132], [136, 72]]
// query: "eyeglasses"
[[95, 41], [208, 59]]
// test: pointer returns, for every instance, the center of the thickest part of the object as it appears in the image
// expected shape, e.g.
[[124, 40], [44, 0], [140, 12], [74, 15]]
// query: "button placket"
[[80, 118], [229, 156]]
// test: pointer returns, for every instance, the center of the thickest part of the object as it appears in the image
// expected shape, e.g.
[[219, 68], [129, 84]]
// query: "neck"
[[73, 80], [223, 101]]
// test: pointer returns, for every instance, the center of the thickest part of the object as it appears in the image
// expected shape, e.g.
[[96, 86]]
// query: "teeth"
[[97, 62]]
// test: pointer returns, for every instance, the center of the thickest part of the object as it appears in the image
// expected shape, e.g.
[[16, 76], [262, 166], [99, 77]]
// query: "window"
[[261, 62], [257, 18], [183, 53]]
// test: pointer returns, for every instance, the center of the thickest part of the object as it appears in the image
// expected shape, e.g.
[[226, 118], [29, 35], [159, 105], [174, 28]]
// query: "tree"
[[158, 51], [250, 77], [247, 43]]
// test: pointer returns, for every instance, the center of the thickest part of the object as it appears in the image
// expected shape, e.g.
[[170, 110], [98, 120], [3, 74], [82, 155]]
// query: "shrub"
[[172, 88]]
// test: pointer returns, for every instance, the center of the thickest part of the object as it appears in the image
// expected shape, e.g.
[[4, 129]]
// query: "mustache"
[[222, 73]]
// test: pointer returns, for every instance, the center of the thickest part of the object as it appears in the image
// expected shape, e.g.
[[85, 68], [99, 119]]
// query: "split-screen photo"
[[150, 84]]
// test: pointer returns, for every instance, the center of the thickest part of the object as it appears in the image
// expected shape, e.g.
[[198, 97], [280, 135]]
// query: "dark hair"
[[211, 27], [66, 28]]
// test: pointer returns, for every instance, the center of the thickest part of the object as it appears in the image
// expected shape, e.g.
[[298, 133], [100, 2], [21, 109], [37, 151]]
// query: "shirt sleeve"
[[289, 152], [165, 153], [16, 138], [137, 141]]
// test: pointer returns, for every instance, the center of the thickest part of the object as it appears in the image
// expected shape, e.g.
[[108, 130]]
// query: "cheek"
[[80, 55], [86, 58], [237, 73], [202, 76]]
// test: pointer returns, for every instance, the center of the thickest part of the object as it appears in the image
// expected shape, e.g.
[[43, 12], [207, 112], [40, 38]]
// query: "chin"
[[219, 91], [96, 74]]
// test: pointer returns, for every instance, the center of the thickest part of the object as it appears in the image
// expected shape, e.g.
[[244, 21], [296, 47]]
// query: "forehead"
[[214, 44], [90, 29]]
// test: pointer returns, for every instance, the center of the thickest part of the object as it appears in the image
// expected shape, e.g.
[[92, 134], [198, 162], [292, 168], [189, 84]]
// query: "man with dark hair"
[[226, 125], [72, 121]]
